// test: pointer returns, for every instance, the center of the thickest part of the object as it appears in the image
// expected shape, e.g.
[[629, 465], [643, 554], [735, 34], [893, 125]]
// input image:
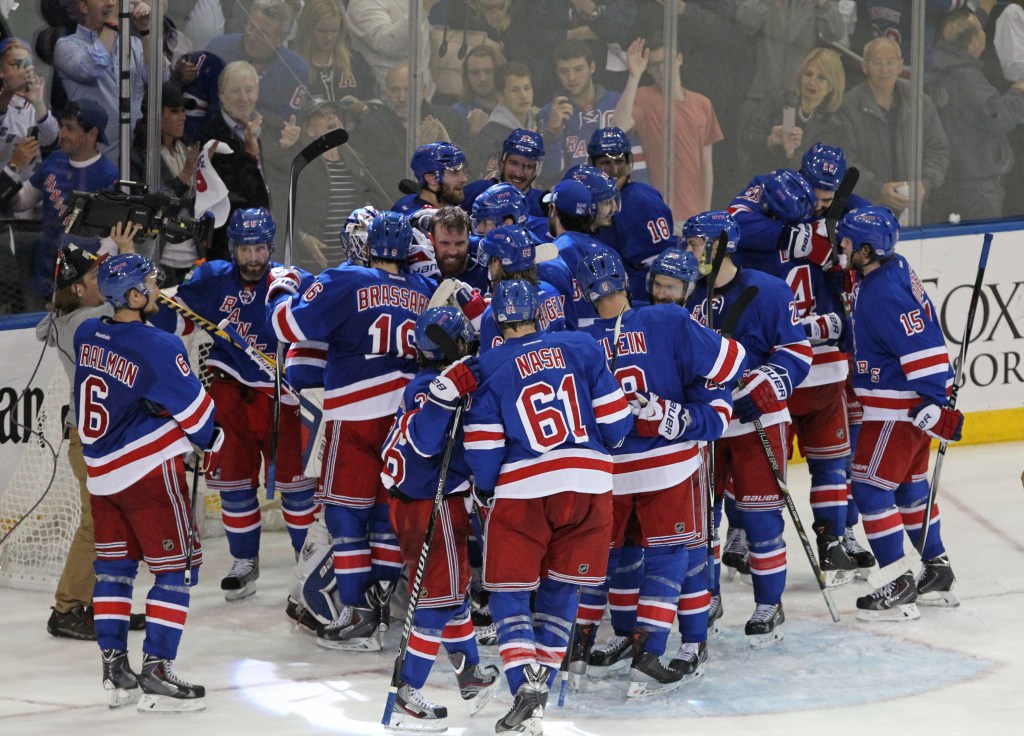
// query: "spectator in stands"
[[493, 17], [239, 126], [88, 62], [479, 95], [695, 122], [380, 32], [892, 19], [203, 23], [813, 107], [1008, 44], [576, 111], [976, 116], [178, 162], [337, 72], [22, 103], [515, 110], [282, 73], [875, 132]]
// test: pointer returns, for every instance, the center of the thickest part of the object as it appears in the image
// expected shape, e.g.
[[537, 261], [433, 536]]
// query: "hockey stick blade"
[[330, 139], [880, 577], [838, 206], [444, 341], [408, 186]]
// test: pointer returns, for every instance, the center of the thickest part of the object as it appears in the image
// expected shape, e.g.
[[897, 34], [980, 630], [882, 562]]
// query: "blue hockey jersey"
[[139, 404], [638, 232], [899, 353], [769, 330], [474, 189], [572, 247], [414, 448], [367, 317], [551, 318], [544, 414], [662, 350]]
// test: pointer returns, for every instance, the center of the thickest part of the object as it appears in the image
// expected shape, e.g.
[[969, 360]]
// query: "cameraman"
[[77, 166]]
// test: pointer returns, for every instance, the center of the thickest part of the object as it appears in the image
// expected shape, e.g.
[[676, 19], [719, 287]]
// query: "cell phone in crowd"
[[788, 119], [33, 132]]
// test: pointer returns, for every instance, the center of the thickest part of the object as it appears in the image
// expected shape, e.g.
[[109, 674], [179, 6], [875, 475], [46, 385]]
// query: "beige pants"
[[76, 582]]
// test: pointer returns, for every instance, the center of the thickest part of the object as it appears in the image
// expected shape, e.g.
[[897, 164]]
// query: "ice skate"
[[936, 582], [525, 716], [611, 657], [413, 713], [864, 559], [765, 626], [690, 660], [715, 613], [240, 582], [302, 618], [477, 683], [893, 602], [736, 556], [75, 624], [579, 654], [649, 677], [119, 681], [164, 692], [836, 564], [355, 630]]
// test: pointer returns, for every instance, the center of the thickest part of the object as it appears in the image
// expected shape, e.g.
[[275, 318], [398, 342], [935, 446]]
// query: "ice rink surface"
[[957, 671]]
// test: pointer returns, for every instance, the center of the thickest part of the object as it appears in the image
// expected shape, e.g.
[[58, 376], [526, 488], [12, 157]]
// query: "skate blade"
[[651, 689], [835, 578], [367, 644], [119, 697], [163, 704], [403, 723], [238, 594], [760, 641], [533, 726], [615, 668], [939, 599], [482, 698], [906, 612]]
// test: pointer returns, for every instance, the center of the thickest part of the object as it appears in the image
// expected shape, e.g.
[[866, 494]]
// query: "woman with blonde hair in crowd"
[[337, 72], [769, 142]]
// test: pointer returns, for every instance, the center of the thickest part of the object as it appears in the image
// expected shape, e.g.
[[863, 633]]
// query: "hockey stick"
[[958, 380], [709, 316], [198, 460], [838, 207], [330, 139], [437, 334]]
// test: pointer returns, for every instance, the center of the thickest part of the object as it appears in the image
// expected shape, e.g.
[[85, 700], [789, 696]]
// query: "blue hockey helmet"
[[787, 196], [510, 244], [677, 263], [709, 226], [525, 143], [121, 273], [572, 198], [608, 142], [389, 236], [434, 158], [600, 273], [515, 300], [353, 235], [601, 186], [824, 166], [497, 202], [252, 226], [873, 226], [449, 319]]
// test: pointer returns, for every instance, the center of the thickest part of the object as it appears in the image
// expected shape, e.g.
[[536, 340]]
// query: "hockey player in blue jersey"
[[902, 376], [536, 437], [503, 204], [674, 392], [440, 170], [367, 316], [778, 359], [412, 464], [521, 161], [237, 290], [643, 225], [603, 193], [140, 409]]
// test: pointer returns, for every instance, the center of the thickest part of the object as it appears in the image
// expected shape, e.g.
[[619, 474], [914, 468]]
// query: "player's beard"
[[254, 272]]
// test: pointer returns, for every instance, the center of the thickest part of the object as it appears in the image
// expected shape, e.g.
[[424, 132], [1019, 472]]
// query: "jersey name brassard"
[[662, 350], [414, 447], [899, 354], [367, 317], [138, 402], [769, 330], [544, 414]]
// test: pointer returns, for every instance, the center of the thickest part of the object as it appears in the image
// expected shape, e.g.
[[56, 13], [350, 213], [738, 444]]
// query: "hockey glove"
[[761, 391], [656, 416], [823, 327], [805, 241], [454, 382], [471, 302], [939, 422], [286, 282]]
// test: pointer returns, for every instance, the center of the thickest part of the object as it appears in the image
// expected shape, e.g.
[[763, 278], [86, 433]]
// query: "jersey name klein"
[[386, 295], [538, 360], [117, 367], [630, 343]]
